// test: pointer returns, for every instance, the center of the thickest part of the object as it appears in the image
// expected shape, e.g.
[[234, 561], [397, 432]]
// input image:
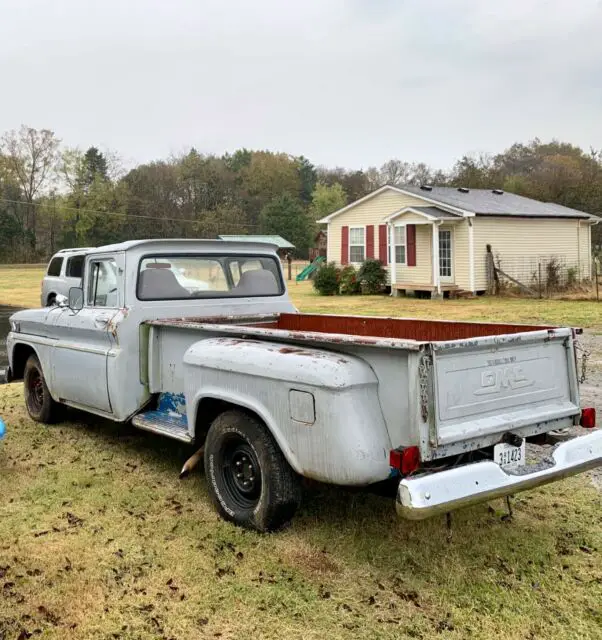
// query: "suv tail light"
[[588, 418], [405, 460]]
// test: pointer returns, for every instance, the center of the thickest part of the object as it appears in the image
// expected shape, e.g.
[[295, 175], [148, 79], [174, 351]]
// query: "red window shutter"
[[383, 244], [345, 245], [370, 241], [411, 245]]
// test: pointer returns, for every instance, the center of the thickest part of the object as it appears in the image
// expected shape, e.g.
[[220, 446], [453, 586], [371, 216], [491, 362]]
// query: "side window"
[[54, 268], [75, 267], [103, 284]]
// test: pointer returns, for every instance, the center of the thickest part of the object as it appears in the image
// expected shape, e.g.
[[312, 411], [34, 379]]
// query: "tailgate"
[[496, 384]]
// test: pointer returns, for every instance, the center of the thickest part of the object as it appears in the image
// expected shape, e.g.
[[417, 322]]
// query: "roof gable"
[[401, 191]]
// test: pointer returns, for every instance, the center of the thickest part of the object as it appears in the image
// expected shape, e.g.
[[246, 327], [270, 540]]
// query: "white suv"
[[65, 270]]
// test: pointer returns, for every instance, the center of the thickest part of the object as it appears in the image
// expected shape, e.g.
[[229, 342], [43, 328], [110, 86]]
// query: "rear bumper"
[[431, 494]]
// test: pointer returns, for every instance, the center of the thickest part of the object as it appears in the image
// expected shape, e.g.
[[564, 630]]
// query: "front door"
[[79, 359], [446, 261]]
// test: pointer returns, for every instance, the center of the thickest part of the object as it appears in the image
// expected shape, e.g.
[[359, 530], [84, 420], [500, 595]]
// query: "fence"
[[543, 276]]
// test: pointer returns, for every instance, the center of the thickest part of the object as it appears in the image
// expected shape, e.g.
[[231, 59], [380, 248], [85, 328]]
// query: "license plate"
[[509, 456]]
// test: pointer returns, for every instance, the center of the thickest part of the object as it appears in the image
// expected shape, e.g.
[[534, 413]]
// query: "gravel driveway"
[[591, 396]]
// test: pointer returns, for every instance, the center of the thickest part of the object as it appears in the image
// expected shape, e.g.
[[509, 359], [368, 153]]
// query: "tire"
[[51, 300], [249, 480], [40, 405]]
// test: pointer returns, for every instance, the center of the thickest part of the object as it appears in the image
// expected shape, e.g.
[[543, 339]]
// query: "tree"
[[31, 157], [396, 172], [326, 200], [307, 178], [284, 215]]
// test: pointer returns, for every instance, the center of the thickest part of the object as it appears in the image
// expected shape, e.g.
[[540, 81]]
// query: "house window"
[[400, 245], [357, 250]]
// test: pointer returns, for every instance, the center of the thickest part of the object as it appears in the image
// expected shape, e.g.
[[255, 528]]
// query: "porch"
[[423, 243]]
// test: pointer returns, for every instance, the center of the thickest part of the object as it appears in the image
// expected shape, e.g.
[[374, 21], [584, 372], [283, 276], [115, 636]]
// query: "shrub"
[[326, 280], [372, 276], [349, 283], [571, 277]]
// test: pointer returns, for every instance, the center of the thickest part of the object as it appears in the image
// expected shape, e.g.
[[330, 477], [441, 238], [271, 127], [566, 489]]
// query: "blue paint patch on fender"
[[172, 403]]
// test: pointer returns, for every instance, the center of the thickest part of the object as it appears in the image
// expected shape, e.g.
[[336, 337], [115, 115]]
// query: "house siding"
[[461, 257], [422, 272], [520, 243], [373, 211]]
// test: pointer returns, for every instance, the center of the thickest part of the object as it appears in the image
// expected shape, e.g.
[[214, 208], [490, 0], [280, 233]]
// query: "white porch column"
[[436, 272], [471, 255], [391, 250]]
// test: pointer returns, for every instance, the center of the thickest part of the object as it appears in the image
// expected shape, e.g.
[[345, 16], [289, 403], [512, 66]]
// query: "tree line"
[[54, 197]]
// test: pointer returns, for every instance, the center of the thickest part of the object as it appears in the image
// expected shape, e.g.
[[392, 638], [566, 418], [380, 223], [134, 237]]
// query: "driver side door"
[[84, 342]]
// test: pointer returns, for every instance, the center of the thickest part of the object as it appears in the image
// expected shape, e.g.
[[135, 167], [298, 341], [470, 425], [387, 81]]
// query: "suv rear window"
[[54, 268], [75, 267]]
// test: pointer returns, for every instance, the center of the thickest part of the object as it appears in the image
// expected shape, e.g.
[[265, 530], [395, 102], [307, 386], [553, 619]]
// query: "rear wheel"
[[250, 482], [51, 300], [40, 405]]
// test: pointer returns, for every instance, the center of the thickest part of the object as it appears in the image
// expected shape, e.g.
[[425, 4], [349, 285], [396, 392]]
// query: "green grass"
[[20, 286], [99, 539]]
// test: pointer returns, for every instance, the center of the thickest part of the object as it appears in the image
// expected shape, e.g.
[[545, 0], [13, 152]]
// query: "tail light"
[[588, 418], [405, 460]]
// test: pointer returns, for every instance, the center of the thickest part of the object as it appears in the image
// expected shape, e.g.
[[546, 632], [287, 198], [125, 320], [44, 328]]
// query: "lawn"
[[20, 286], [99, 539]]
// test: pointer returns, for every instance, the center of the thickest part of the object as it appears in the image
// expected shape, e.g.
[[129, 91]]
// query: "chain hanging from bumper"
[[584, 356]]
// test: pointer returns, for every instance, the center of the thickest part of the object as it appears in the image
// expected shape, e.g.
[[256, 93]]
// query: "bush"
[[349, 283], [571, 277], [372, 276], [326, 280]]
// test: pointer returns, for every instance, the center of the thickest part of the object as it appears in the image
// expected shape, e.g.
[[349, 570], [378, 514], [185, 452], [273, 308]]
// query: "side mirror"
[[76, 298], [61, 300]]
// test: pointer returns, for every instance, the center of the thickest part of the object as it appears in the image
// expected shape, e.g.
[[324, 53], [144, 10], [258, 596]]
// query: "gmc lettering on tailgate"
[[500, 379]]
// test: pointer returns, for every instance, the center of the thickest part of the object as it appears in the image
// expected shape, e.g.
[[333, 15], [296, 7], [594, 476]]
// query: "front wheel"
[[250, 482], [40, 405]]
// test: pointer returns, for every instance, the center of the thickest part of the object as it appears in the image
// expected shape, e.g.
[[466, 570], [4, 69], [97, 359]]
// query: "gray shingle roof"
[[485, 202]]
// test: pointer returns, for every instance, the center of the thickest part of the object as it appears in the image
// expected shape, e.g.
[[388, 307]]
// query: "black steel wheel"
[[250, 482], [40, 405]]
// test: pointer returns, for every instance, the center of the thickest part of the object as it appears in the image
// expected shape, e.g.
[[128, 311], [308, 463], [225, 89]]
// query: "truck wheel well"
[[21, 355], [208, 410]]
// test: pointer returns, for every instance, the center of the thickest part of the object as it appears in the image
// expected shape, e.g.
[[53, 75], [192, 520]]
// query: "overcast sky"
[[343, 82]]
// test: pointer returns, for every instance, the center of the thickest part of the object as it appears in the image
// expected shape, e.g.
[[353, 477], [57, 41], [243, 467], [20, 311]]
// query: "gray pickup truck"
[[224, 361]]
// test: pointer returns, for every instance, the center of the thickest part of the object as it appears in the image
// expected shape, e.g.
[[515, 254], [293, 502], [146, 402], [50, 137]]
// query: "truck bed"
[[453, 386], [405, 333]]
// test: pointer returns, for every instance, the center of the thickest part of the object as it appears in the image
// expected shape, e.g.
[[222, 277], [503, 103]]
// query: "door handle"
[[101, 321]]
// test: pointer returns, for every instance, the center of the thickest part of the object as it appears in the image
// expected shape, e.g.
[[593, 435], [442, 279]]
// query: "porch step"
[[163, 423]]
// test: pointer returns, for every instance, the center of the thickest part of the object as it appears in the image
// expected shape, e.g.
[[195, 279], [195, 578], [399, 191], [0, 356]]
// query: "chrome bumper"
[[431, 494]]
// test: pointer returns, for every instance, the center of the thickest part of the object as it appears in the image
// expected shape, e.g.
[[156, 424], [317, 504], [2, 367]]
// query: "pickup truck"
[[441, 409]]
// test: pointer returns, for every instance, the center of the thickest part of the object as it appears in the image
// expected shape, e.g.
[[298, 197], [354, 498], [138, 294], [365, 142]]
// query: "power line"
[[129, 215]]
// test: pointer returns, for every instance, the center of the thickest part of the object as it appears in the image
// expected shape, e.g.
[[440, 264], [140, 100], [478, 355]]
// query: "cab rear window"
[[54, 268], [179, 277]]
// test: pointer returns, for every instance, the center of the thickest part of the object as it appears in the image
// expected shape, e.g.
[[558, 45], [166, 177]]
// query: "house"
[[435, 239], [320, 246], [284, 246]]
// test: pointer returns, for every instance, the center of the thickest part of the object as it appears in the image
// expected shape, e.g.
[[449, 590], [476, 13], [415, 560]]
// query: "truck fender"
[[249, 403], [321, 406]]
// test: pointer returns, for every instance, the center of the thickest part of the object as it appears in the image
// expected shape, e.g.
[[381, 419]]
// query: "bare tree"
[[396, 172], [31, 157]]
